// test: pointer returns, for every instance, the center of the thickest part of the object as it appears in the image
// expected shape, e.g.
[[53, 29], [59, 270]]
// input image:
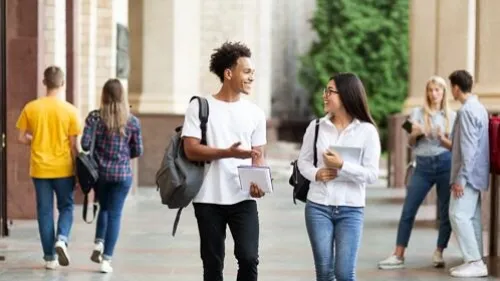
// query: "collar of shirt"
[[327, 120], [470, 98]]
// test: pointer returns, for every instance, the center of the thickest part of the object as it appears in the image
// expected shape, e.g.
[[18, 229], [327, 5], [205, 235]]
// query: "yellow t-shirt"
[[51, 122]]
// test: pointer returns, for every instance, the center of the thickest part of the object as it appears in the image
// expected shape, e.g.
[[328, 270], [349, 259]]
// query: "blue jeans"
[[45, 189], [111, 196], [430, 170], [335, 236]]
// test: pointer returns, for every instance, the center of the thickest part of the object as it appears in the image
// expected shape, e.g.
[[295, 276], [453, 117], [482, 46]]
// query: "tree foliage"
[[367, 37]]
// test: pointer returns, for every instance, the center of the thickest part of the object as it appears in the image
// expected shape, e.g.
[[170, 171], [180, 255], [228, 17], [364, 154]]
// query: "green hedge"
[[367, 37]]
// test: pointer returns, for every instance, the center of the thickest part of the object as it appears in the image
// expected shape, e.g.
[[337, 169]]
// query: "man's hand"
[[236, 152], [457, 190], [255, 191], [332, 159], [326, 174]]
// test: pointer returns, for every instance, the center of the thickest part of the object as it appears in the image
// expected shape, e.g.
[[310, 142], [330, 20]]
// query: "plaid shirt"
[[112, 151]]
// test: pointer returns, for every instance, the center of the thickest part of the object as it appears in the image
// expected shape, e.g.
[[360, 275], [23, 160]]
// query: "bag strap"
[[95, 120], [176, 222], [85, 204], [203, 113], [315, 149]]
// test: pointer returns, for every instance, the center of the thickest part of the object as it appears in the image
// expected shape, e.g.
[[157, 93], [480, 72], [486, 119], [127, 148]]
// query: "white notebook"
[[349, 153], [260, 175]]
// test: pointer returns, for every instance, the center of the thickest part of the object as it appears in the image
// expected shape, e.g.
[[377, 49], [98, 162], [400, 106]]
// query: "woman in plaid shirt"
[[118, 139]]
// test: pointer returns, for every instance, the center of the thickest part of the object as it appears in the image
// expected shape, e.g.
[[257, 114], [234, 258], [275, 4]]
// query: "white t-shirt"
[[228, 123]]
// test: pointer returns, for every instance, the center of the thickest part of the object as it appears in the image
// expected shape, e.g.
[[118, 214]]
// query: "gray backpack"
[[178, 179]]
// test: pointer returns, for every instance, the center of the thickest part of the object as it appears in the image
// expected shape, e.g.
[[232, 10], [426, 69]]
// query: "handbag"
[[299, 183], [87, 171]]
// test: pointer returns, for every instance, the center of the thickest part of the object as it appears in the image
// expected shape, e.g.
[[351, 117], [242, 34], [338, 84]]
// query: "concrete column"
[[423, 48], [487, 60], [88, 47], [54, 36], [164, 60]]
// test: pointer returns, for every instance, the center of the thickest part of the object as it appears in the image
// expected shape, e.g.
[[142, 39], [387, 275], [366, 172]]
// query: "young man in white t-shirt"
[[236, 135]]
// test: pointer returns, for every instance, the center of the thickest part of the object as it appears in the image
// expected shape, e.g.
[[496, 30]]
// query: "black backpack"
[[299, 183], [87, 170], [178, 179]]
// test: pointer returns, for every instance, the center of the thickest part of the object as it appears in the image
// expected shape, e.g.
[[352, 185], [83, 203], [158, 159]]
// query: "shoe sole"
[[104, 271], [439, 264], [96, 256], [390, 267], [453, 274], [62, 256]]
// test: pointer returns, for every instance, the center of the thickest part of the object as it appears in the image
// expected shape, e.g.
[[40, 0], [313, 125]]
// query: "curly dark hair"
[[226, 57]]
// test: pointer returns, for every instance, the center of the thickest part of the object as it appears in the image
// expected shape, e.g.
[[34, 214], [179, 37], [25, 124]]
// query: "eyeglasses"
[[329, 92]]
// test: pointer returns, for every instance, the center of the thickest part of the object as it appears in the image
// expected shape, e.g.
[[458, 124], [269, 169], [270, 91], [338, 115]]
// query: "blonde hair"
[[440, 82], [114, 107]]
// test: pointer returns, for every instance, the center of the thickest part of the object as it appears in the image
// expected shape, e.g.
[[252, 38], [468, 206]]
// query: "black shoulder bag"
[[299, 183]]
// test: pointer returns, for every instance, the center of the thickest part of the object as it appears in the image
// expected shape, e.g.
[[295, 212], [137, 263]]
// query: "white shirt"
[[348, 189], [228, 123]]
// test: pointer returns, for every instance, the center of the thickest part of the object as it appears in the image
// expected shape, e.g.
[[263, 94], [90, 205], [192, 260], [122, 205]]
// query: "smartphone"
[[407, 126]]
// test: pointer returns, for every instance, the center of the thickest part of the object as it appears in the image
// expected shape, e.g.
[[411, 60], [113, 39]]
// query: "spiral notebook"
[[260, 175]]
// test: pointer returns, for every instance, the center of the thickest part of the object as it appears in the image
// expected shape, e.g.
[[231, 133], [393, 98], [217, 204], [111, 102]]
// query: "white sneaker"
[[473, 269], [51, 264], [437, 259], [97, 253], [62, 253], [392, 262], [106, 266], [457, 267]]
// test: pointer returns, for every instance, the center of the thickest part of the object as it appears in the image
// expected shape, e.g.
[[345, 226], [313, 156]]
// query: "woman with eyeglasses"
[[334, 211], [431, 126]]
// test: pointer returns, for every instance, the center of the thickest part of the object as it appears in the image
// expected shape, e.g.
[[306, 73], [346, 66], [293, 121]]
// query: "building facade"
[[159, 49]]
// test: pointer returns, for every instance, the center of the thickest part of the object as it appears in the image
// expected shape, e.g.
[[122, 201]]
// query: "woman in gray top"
[[431, 126]]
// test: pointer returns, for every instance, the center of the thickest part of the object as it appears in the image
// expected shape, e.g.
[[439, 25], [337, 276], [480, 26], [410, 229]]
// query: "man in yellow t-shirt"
[[51, 126]]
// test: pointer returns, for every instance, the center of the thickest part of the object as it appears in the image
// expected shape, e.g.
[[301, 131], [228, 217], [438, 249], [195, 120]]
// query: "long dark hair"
[[353, 96]]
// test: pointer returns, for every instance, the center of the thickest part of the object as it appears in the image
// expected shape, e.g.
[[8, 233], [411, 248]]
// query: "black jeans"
[[243, 221]]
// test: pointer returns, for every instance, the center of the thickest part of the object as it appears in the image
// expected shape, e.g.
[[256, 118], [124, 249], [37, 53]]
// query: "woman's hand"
[[443, 139], [417, 130], [332, 159], [326, 174]]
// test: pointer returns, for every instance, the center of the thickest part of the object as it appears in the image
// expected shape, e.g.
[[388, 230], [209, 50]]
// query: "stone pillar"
[[24, 22], [167, 59], [487, 61], [164, 71], [423, 42], [87, 67], [54, 36]]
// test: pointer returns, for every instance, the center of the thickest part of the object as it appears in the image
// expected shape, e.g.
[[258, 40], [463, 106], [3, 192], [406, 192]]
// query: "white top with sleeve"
[[348, 189], [228, 123]]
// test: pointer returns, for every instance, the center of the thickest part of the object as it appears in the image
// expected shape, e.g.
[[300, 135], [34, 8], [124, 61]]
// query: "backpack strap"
[[176, 222], [203, 115], [85, 206], [315, 149]]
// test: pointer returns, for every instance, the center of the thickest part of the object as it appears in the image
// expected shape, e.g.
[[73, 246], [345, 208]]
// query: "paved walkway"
[[147, 250]]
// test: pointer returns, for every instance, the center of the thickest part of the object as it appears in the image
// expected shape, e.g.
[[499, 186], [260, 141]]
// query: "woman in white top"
[[334, 210]]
